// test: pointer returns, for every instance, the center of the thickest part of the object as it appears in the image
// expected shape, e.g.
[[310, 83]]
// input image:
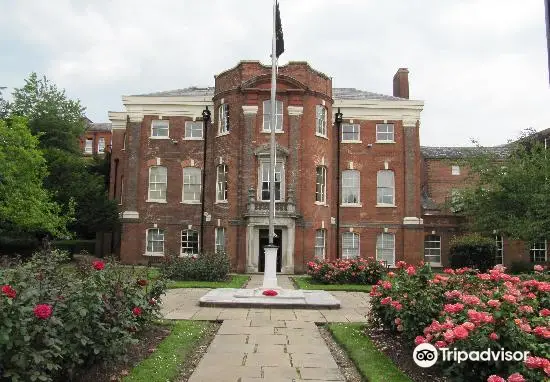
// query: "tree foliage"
[[509, 194], [25, 205]]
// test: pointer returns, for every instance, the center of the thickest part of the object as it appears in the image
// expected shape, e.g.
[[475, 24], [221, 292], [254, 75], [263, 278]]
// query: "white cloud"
[[480, 66]]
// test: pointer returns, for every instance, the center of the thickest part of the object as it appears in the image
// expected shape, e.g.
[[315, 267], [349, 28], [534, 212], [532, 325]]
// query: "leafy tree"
[[25, 205], [509, 194], [58, 120], [4, 105]]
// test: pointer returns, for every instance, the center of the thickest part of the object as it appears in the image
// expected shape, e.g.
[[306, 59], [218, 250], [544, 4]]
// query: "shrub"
[[204, 267], [518, 267], [56, 320], [473, 251], [75, 246], [467, 310], [349, 271]]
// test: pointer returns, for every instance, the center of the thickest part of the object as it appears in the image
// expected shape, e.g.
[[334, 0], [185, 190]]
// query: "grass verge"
[[373, 365], [309, 284], [235, 281], [166, 362]]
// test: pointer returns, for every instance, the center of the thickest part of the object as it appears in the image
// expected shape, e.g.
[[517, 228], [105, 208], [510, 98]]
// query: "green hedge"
[[473, 251], [204, 267], [10, 246]]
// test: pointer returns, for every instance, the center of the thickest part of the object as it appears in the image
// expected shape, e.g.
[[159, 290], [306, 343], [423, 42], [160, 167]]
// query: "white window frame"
[[188, 173], [382, 239], [355, 245], [266, 105], [321, 185], [221, 184], [321, 121], [89, 146], [101, 145], [159, 232], [320, 243], [160, 125], [385, 192], [223, 119], [499, 242], [183, 252], [537, 248], [263, 171], [354, 188], [455, 170], [155, 185], [386, 136], [191, 130], [433, 249], [356, 129], [219, 235]]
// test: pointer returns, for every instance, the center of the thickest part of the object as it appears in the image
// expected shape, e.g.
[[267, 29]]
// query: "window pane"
[[350, 245], [189, 242], [193, 129], [265, 177], [155, 241], [384, 132], [320, 185], [350, 186], [159, 128], [278, 116], [191, 184], [221, 184], [432, 249], [385, 245], [350, 132], [157, 183]]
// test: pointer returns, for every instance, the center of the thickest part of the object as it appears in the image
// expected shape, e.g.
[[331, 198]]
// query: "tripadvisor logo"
[[426, 355]]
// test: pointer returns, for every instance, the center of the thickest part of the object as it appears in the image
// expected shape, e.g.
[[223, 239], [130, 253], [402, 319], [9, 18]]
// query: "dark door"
[[264, 240]]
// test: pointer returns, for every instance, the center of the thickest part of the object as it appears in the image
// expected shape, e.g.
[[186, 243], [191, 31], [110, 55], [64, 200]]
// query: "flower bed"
[[468, 310], [56, 321], [346, 271]]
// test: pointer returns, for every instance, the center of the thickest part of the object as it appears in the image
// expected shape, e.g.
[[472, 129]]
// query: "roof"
[[99, 127], [338, 93], [461, 152]]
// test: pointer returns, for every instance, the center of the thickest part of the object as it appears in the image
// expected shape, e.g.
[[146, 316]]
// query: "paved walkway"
[[266, 344]]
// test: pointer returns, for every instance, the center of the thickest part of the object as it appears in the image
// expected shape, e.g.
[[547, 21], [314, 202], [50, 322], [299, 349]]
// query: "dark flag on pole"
[[280, 42]]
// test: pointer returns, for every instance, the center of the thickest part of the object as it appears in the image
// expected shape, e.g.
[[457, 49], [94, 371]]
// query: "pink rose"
[[468, 325], [440, 344], [516, 377], [493, 304], [460, 332], [493, 336], [419, 340], [411, 270], [538, 268], [495, 378], [544, 312]]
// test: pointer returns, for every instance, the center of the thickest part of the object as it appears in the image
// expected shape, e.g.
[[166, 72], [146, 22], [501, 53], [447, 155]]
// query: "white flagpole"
[[273, 124]]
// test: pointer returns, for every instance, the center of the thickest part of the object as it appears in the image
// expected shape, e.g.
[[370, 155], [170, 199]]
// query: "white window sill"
[[153, 254], [385, 142], [324, 204], [167, 137], [188, 254], [386, 205], [321, 136], [269, 132], [267, 201], [190, 202], [155, 201], [222, 134], [352, 205], [352, 141], [192, 139], [123, 149], [221, 202]]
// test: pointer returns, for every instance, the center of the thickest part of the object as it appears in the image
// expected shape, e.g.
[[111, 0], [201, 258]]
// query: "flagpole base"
[[270, 269]]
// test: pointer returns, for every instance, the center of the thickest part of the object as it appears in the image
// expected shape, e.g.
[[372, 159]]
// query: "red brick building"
[[96, 139], [388, 190]]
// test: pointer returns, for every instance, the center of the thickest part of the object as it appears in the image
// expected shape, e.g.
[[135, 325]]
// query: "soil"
[[346, 365], [194, 358], [148, 342], [401, 354]]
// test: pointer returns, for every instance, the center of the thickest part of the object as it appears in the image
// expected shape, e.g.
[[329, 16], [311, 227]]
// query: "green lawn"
[[373, 365], [166, 362], [235, 281], [307, 283]]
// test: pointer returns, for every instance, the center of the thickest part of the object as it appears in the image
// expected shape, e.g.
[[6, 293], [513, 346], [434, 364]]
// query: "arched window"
[[189, 242], [221, 183], [155, 242], [191, 185], [158, 183], [350, 245], [385, 190], [350, 187], [432, 249]]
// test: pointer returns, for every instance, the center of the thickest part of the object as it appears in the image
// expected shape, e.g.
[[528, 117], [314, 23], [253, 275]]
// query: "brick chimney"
[[401, 83]]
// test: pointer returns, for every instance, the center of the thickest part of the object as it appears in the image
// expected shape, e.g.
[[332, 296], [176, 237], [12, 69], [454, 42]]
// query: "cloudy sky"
[[479, 65]]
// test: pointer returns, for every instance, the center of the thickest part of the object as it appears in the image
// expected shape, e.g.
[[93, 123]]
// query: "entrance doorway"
[[264, 240]]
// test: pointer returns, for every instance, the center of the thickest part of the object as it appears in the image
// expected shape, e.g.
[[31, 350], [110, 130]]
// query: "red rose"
[[270, 292], [43, 311], [141, 282], [460, 332], [98, 265], [9, 291], [137, 311]]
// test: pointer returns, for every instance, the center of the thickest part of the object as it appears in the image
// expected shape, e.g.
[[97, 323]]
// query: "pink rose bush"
[[468, 310], [56, 320], [346, 271]]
